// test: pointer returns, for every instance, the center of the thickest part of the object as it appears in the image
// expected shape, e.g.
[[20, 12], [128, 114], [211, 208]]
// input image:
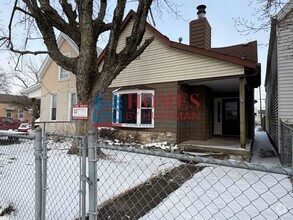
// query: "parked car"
[[24, 127], [7, 123]]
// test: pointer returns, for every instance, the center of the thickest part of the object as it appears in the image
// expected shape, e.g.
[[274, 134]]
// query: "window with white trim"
[[9, 112], [20, 115], [133, 108], [53, 107], [63, 73]]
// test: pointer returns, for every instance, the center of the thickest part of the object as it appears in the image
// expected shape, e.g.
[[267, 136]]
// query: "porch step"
[[219, 155], [216, 152]]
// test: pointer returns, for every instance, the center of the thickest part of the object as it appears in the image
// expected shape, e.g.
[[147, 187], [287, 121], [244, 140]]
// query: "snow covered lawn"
[[214, 193], [229, 193], [119, 172]]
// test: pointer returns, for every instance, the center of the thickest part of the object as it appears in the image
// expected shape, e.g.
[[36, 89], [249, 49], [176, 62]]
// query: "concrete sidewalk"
[[263, 150]]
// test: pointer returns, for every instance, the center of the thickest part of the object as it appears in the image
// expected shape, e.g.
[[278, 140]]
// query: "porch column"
[[242, 112]]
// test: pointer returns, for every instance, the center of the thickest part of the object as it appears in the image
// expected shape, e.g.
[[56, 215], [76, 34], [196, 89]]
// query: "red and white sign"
[[80, 112]]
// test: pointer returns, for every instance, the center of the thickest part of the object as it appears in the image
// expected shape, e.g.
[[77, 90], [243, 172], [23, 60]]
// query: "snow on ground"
[[230, 193], [17, 177], [263, 143], [125, 170], [117, 173], [214, 193]]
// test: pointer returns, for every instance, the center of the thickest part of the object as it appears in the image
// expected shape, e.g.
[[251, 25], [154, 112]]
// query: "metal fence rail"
[[146, 184], [17, 175], [286, 143]]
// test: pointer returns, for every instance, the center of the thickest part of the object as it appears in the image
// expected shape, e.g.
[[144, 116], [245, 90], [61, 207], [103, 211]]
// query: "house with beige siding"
[[279, 75], [173, 90], [56, 90]]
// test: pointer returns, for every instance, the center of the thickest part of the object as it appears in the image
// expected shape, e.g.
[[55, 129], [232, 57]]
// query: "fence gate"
[[63, 177]]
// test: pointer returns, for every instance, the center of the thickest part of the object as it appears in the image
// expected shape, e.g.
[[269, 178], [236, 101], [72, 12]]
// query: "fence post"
[[44, 177], [291, 133], [83, 177], [281, 142], [38, 174], [92, 175]]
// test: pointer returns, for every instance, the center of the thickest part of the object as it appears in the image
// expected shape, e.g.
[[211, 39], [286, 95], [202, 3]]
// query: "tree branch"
[[129, 53], [24, 11], [110, 55], [47, 30], [69, 12], [99, 21], [58, 22]]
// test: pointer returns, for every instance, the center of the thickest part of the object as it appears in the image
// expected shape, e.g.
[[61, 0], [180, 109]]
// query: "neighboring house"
[[279, 76], [15, 107], [56, 90], [176, 91]]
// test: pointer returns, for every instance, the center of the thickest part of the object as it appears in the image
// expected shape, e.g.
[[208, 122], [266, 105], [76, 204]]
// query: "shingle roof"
[[245, 56], [246, 51], [5, 98]]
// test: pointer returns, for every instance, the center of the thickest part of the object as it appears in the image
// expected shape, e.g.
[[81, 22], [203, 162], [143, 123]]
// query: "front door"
[[230, 117]]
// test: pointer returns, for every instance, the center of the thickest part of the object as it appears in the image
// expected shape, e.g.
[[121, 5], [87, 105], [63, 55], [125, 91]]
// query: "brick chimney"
[[200, 30]]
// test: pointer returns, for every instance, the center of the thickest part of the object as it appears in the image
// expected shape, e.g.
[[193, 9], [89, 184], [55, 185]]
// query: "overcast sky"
[[220, 14]]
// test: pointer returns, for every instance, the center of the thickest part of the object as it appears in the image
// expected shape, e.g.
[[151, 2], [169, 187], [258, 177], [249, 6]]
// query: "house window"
[[133, 108], [9, 112], [53, 106], [73, 101], [63, 73], [20, 115]]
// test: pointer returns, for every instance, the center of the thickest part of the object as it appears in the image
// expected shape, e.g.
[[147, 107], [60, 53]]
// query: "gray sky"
[[220, 14]]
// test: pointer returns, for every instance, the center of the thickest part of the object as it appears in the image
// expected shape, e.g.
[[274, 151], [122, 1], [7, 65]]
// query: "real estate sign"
[[79, 112]]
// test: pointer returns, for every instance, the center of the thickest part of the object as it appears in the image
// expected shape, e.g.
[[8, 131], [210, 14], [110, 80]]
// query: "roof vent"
[[201, 12]]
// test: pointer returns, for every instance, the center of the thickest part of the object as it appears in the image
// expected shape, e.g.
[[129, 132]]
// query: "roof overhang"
[[33, 91], [285, 10]]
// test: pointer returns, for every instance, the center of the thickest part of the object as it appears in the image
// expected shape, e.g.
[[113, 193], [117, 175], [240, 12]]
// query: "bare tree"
[[25, 72], [84, 22], [264, 11], [4, 82]]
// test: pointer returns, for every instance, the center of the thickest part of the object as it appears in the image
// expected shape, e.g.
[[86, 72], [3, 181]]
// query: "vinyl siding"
[[51, 84], [285, 68], [161, 63]]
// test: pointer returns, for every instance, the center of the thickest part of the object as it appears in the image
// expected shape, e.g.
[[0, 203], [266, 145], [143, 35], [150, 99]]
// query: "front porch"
[[218, 146], [225, 111]]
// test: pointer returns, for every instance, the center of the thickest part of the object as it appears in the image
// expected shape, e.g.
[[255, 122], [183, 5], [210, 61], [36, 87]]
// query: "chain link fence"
[[137, 183], [79, 179], [17, 175], [286, 143], [61, 171]]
